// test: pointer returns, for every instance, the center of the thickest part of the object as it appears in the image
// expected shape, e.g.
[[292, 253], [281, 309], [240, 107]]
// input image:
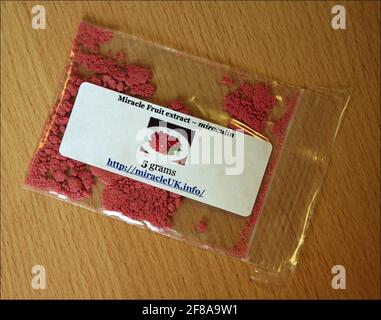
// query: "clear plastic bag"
[[300, 124]]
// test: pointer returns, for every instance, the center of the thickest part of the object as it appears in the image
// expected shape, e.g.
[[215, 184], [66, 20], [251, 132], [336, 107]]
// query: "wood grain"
[[90, 256]]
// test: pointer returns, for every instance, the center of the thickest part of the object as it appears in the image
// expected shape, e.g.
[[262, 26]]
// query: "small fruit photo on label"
[[166, 143]]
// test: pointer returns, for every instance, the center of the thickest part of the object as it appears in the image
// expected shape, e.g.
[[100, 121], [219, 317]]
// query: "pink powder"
[[250, 104], [141, 202], [227, 81], [104, 176], [52, 172], [280, 127], [179, 106], [138, 200], [130, 79], [91, 37], [201, 226], [137, 75], [261, 105], [144, 90]]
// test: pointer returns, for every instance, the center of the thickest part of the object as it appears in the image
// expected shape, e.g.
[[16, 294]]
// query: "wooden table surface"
[[90, 256]]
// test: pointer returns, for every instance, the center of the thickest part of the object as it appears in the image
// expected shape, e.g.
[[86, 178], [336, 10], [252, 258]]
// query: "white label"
[[167, 149]]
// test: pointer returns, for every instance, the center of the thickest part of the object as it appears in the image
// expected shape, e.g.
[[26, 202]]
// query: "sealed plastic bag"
[[114, 82]]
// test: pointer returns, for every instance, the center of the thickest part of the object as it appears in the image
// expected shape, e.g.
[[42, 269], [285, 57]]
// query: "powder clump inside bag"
[[252, 105], [137, 200], [226, 80], [201, 226], [51, 171]]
